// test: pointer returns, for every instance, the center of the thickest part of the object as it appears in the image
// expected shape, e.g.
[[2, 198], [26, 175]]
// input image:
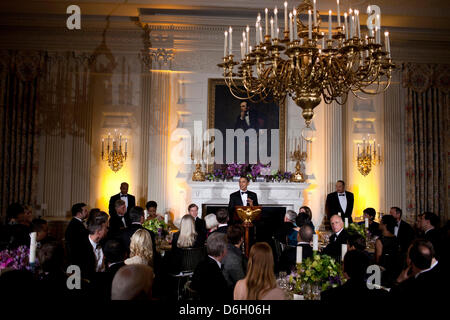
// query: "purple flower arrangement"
[[253, 171], [16, 259]]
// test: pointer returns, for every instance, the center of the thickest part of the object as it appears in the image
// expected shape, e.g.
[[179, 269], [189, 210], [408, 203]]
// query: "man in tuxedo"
[[403, 231], [88, 255], [288, 259], [208, 280], [222, 218], [119, 219], [339, 237], [130, 200], [428, 224], [234, 262], [243, 197], [200, 224], [340, 201], [76, 230]]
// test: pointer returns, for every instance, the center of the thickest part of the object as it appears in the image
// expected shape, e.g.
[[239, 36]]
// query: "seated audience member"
[[339, 237], [186, 237], [429, 223], [40, 226], [88, 254], [115, 253], [200, 225], [259, 283], [403, 231], [211, 223], [356, 242], [151, 207], [76, 232], [119, 219], [136, 216], [234, 263], [305, 217], [17, 232], [355, 288], [222, 218], [132, 282], [374, 227], [141, 251], [288, 259], [387, 251], [53, 280], [423, 278], [208, 280], [92, 213], [287, 233]]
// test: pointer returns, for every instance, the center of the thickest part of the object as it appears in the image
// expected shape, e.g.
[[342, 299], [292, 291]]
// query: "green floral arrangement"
[[318, 270], [156, 226], [354, 228]]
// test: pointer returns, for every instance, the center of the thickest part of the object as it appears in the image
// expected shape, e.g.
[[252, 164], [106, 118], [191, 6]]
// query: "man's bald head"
[[336, 223], [133, 282]]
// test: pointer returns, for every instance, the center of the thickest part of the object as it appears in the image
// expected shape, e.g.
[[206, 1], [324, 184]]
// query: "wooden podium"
[[248, 214]]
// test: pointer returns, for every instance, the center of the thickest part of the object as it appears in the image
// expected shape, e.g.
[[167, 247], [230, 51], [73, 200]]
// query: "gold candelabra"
[[298, 155], [306, 64], [196, 156], [114, 155], [368, 156]]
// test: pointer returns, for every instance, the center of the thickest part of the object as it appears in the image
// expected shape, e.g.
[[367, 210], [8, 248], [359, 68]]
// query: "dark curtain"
[[19, 78], [426, 130]]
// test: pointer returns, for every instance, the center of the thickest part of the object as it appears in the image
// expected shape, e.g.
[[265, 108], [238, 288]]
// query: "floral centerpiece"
[[354, 228], [157, 226], [316, 274], [16, 259], [252, 172]]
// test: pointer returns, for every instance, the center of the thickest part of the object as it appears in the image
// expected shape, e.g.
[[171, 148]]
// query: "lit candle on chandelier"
[[256, 34], [323, 40], [230, 47], [314, 13], [294, 21], [247, 30], [357, 23], [225, 45], [345, 26], [291, 33], [285, 16], [272, 34], [275, 12], [338, 14], [267, 21], [329, 24], [350, 34], [387, 44], [309, 25]]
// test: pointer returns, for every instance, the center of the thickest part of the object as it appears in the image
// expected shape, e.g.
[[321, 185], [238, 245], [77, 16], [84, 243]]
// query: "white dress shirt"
[[338, 233], [247, 118], [99, 258], [343, 201], [124, 197], [397, 226], [244, 197]]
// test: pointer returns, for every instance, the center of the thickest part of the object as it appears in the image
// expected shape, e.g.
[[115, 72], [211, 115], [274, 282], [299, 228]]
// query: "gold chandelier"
[[368, 156], [306, 64], [114, 155]]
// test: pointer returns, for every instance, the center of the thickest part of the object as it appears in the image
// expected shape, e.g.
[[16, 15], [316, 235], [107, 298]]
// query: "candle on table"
[[225, 45], [285, 16], [33, 245], [267, 21], [346, 222], [145, 214], [299, 254], [294, 17], [329, 24], [166, 218], [343, 250], [291, 33], [366, 223], [338, 14], [309, 25], [315, 242]]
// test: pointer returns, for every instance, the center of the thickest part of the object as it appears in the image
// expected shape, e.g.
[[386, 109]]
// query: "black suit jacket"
[[236, 200], [333, 206], [83, 256], [234, 266], [209, 282], [126, 234], [114, 198], [75, 232], [288, 258], [334, 247], [200, 228], [405, 235], [116, 224]]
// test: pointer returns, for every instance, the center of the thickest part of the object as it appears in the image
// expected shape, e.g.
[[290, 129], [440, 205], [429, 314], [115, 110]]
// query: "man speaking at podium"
[[243, 197]]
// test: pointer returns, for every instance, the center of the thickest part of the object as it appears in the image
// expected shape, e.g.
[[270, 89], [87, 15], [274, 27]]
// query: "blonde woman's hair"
[[260, 276], [187, 232], [141, 245]]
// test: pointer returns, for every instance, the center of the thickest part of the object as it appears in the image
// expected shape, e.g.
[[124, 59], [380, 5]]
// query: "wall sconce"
[[369, 154], [114, 155]]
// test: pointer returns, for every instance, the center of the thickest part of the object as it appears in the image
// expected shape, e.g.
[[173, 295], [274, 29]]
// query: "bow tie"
[[124, 196], [342, 194], [243, 192]]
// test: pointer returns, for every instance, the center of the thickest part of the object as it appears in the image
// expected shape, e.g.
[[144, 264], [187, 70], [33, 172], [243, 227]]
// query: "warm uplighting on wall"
[[114, 154], [110, 185]]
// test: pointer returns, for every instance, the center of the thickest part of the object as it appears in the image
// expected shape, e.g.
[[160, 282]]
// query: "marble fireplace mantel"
[[285, 194]]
